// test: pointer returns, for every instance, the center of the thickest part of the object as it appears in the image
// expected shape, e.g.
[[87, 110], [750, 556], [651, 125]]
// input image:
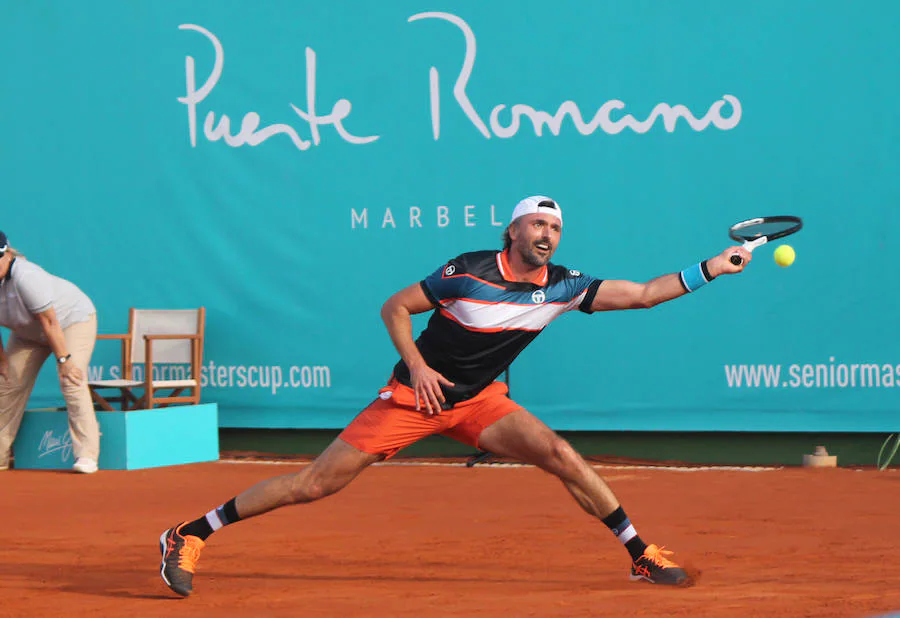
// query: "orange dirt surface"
[[423, 541]]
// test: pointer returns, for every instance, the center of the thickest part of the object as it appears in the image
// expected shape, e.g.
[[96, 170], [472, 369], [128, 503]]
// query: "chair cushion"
[[174, 383]]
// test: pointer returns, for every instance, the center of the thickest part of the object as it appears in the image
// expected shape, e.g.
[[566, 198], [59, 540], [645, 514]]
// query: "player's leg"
[[330, 472], [377, 433], [524, 437]]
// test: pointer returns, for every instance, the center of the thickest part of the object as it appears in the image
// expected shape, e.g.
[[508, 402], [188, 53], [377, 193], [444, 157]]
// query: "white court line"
[[519, 465]]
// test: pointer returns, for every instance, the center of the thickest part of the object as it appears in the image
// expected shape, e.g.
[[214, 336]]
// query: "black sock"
[[618, 522], [217, 518]]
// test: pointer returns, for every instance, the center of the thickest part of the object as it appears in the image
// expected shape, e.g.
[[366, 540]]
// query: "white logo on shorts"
[[450, 270], [538, 297], [575, 273]]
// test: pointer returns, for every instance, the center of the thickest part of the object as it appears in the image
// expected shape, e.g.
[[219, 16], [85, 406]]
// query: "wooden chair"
[[167, 339]]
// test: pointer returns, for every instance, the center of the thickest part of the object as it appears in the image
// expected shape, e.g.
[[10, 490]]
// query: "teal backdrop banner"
[[291, 164]]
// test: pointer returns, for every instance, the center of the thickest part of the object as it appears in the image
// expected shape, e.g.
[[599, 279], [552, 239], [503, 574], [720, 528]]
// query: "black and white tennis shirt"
[[483, 320]]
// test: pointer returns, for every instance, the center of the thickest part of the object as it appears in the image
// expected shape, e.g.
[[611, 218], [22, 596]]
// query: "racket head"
[[771, 228]]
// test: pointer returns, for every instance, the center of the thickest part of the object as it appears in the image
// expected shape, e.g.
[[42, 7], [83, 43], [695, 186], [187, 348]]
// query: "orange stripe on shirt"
[[498, 286]]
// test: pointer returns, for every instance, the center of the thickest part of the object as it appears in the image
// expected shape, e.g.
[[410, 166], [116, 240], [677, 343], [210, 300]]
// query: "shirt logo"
[[538, 297], [575, 273], [450, 270]]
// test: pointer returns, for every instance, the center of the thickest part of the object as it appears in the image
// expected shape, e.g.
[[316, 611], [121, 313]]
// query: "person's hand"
[[4, 367], [426, 382], [721, 264], [68, 371]]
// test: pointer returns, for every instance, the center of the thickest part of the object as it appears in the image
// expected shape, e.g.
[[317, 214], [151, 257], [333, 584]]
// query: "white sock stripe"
[[627, 534], [213, 519]]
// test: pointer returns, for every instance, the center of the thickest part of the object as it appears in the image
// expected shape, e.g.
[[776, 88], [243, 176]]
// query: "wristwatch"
[[63, 359]]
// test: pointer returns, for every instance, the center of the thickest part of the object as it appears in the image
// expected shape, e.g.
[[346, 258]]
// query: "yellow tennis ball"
[[784, 255]]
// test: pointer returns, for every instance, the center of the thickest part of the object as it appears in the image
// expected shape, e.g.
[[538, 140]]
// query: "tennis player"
[[487, 307]]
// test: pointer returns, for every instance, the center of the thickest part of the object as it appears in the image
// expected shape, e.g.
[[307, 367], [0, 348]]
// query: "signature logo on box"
[[52, 443]]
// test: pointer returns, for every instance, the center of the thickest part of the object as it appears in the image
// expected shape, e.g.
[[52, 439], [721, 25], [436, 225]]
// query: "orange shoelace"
[[658, 556], [190, 553]]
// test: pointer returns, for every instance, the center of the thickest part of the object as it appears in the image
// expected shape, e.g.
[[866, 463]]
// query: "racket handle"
[[749, 245]]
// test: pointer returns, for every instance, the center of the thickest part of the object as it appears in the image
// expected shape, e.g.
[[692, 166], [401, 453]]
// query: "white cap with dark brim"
[[537, 204]]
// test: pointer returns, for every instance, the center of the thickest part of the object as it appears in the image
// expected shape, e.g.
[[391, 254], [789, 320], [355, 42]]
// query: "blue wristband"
[[695, 277]]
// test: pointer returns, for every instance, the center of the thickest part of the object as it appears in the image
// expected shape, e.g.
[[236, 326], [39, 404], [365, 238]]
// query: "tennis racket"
[[755, 232]]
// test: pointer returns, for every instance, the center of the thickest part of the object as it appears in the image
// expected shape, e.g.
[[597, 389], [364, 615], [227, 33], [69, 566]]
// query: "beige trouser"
[[25, 360]]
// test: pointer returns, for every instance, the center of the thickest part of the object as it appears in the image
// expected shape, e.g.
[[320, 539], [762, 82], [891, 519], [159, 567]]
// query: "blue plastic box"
[[129, 440]]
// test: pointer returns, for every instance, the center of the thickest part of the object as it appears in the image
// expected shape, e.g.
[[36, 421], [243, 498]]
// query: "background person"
[[46, 315]]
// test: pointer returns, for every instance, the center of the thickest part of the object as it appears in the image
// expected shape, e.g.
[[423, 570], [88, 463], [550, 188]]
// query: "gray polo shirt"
[[30, 290]]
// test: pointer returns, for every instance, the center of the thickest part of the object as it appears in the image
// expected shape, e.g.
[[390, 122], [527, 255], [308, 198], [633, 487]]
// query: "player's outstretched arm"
[[617, 294]]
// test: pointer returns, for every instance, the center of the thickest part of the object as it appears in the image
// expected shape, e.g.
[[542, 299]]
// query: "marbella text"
[[436, 216]]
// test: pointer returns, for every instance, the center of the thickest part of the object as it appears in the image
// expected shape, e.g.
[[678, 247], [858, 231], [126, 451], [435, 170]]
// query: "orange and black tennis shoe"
[[179, 558], [655, 567]]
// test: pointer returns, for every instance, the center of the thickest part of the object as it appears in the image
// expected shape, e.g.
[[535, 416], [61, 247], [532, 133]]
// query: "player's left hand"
[[426, 382], [721, 264]]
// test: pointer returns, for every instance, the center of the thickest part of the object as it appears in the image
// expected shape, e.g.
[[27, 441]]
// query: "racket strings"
[[752, 232], [769, 227]]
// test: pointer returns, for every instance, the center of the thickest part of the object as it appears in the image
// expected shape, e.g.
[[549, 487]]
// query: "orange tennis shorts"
[[391, 422]]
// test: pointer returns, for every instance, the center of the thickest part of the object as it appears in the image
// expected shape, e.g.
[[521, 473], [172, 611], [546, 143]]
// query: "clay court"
[[425, 540]]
